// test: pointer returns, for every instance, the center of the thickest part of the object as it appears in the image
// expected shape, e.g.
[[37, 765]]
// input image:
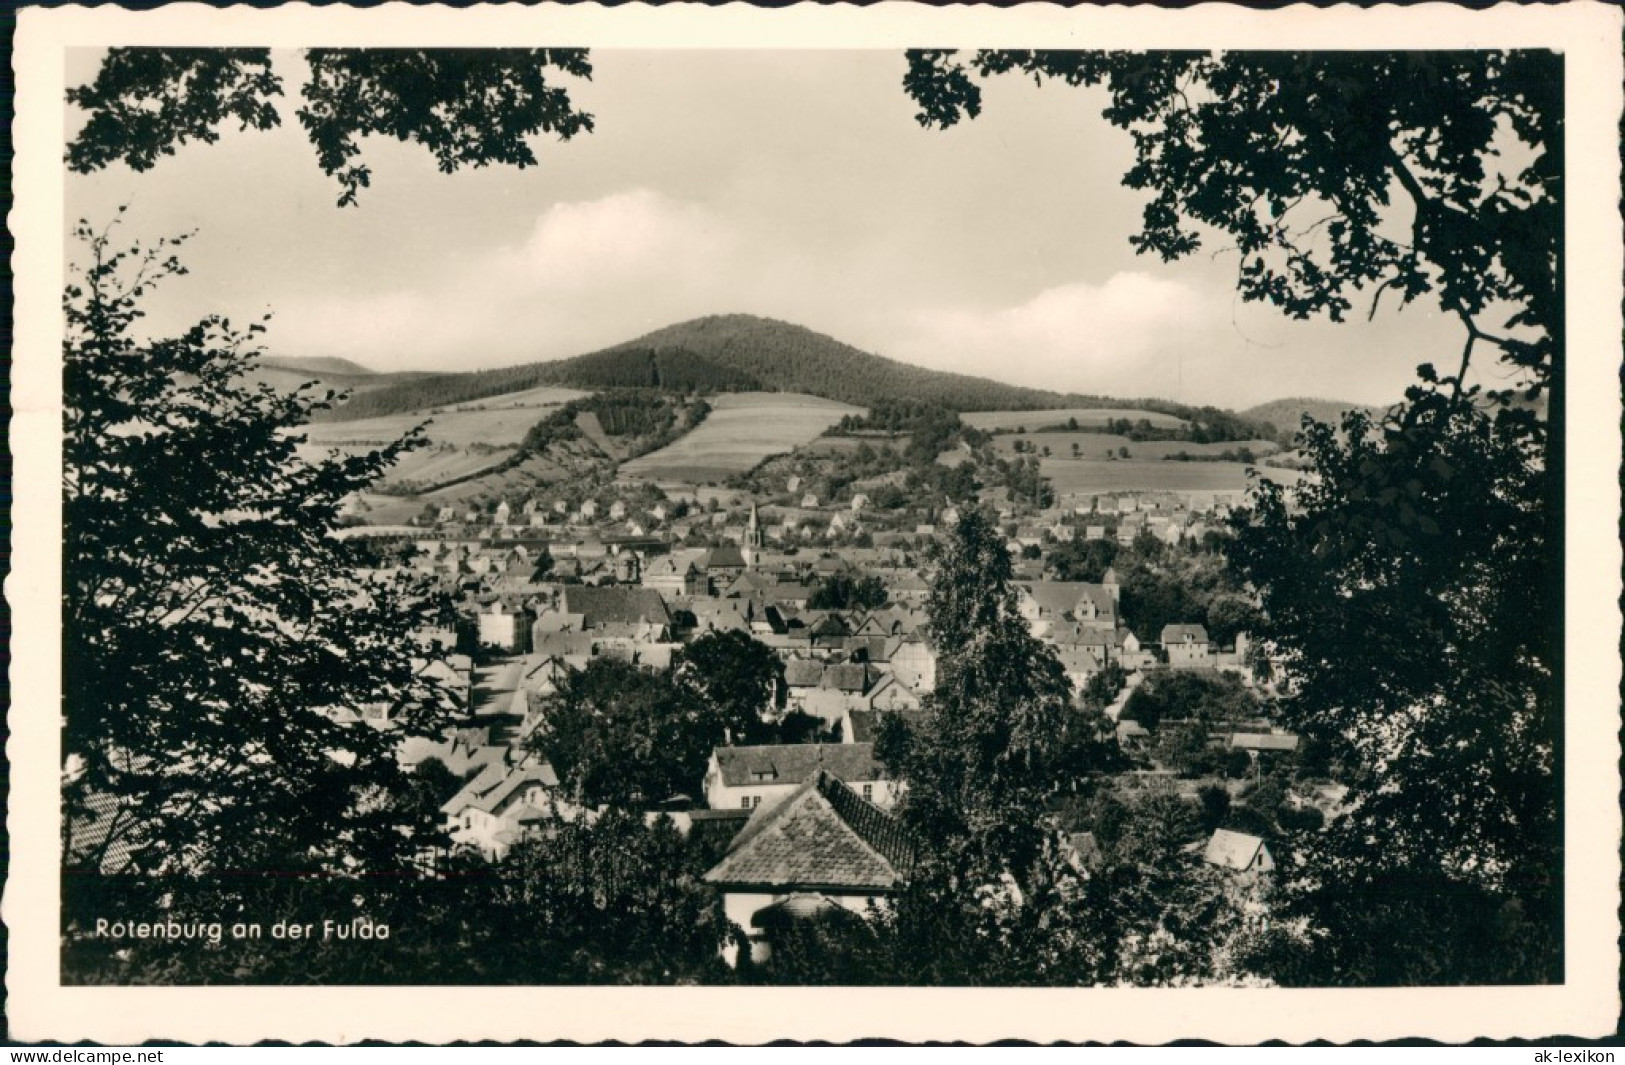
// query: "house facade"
[[745, 778], [1186, 646], [819, 847]]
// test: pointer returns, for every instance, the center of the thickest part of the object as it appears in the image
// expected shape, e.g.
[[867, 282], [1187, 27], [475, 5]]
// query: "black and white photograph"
[[892, 501]]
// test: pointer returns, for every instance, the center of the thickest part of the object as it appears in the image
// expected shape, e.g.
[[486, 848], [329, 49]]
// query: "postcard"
[[816, 523]]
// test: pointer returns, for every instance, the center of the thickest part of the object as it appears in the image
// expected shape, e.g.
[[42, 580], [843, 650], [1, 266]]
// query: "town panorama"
[[732, 653]]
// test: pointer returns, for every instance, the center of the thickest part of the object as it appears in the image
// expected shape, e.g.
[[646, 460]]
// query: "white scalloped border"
[[1588, 1004]]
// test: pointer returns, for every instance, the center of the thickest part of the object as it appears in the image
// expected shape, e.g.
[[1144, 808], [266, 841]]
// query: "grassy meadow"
[[743, 429]]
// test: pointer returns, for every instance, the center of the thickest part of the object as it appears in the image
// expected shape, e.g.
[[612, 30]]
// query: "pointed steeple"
[[753, 538]]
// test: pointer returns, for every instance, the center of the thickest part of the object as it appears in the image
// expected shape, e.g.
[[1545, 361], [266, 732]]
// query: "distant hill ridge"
[[735, 352], [316, 365], [1287, 414]]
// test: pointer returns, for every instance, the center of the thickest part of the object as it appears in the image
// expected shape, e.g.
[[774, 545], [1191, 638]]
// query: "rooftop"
[[822, 836], [792, 763]]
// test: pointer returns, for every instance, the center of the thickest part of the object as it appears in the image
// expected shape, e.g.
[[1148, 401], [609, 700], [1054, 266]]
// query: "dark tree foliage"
[[931, 428], [1082, 560], [738, 678], [1173, 918], [1405, 597], [1202, 695], [643, 420], [1411, 584], [672, 369], [626, 736], [1102, 689], [950, 484], [980, 771], [1215, 802], [468, 107], [219, 644], [607, 901], [841, 592], [1292, 155], [836, 948], [196, 91], [1153, 597]]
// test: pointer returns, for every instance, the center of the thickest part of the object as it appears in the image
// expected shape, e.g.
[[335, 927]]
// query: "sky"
[[791, 184]]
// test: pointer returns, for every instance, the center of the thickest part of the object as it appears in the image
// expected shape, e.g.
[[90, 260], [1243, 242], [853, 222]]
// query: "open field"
[[593, 429], [463, 439], [1037, 419], [1099, 445], [742, 429], [1127, 475], [493, 426], [388, 510], [542, 398], [847, 445]]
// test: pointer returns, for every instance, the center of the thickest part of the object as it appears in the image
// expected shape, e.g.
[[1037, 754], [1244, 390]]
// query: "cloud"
[[588, 273], [1121, 337], [623, 239]]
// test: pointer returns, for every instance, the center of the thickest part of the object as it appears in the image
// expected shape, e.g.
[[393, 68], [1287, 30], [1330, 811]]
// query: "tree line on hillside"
[[930, 427], [1202, 425], [649, 418], [669, 369]]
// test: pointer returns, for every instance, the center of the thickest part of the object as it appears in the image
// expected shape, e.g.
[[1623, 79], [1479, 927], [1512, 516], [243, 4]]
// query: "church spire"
[[753, 538]]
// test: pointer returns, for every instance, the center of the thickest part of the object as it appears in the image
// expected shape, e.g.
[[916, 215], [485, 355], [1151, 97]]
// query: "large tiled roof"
[[600, 606], [822, 836], [1231, 850], [848, 677], [1057, 597], [792, 763], [725, 557], [803, 673], [1078, 660], [1177, 633], [496, 783]]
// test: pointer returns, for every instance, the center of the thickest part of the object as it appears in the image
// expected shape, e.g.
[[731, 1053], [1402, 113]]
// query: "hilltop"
[[318, 365], [288, 372], [1286, 415], [727, 353]]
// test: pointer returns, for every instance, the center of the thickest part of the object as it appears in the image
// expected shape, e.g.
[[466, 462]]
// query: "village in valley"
[[851, 560], [833, 585]]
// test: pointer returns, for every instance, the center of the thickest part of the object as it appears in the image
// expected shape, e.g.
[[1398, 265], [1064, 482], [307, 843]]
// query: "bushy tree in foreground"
[[992, 900], [1403, 590], [220, 646], [1416, 595], [737, 678]]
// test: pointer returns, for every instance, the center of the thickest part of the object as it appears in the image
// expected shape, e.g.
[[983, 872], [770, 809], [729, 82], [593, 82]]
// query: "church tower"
[[753, 538], [1109, 582]]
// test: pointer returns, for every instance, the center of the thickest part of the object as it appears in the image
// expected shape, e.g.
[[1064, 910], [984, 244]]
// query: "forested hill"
[[726, 353], [792, 358], [1286, 415]]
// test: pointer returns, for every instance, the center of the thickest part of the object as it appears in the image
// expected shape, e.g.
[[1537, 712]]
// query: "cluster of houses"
[[810, 821], [548, 586], [592, 540]]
